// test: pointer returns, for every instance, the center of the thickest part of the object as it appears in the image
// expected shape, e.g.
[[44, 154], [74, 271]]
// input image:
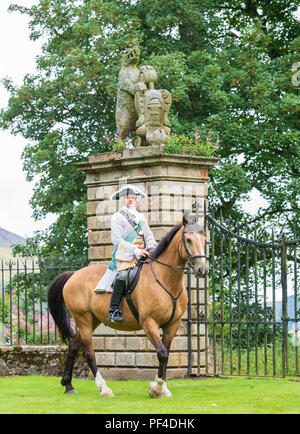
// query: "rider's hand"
[[144, 253]]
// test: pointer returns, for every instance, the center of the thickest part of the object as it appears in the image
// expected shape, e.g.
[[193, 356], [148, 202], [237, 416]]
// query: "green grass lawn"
[[34, 394]]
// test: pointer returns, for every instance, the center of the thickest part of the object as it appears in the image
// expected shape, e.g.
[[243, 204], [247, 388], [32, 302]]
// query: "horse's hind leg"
[[86, 327], [72, 353]]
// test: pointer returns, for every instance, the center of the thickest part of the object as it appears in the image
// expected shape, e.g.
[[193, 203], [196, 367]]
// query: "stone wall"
[[38, 360], [172, 183]]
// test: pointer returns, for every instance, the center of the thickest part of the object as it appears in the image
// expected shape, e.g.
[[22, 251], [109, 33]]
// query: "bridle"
[[189, 256]]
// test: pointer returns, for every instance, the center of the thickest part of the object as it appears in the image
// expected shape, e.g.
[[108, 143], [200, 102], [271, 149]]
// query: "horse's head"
[[193, 243]]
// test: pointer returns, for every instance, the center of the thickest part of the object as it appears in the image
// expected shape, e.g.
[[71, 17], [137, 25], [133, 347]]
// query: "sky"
[[17, 57], [18, 54]]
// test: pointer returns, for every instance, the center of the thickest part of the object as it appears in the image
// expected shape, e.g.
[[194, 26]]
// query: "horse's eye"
[[189, 241]]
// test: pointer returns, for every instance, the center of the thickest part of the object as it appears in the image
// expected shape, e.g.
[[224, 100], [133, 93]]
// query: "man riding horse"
[[160, 296], [132, 239]]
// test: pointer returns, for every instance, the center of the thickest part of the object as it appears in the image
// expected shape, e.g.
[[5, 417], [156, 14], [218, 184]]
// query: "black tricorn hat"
[[127, 190]]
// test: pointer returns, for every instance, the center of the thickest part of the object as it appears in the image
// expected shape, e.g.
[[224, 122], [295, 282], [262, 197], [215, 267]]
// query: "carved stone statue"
[[152, 107], [126, 115], [140, 107]]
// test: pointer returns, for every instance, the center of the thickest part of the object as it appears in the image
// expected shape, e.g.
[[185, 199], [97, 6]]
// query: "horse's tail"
[[57, 305]]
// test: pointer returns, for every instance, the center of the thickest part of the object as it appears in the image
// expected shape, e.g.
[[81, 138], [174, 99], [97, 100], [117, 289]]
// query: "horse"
[[160, 298]]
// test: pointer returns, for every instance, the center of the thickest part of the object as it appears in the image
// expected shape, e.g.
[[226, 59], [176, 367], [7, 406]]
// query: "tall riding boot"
[[115, 314]]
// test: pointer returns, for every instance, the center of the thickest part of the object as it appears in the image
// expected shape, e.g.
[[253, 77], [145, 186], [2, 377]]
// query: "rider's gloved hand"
[[144, 253], [141, 253]]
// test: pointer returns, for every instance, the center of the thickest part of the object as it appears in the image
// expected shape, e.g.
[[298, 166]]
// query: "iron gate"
[[244, 318], [24, 313]]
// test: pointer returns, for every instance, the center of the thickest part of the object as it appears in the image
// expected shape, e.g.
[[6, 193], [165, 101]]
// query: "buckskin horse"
[[159, 297]]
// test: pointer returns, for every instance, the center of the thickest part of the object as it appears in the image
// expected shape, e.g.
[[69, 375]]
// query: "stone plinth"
[[172, 183]]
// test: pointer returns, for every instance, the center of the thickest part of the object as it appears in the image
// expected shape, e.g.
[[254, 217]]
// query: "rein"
[[180, 267]]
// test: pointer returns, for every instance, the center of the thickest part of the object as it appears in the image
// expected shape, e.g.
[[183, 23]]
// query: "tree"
[[228, 66]]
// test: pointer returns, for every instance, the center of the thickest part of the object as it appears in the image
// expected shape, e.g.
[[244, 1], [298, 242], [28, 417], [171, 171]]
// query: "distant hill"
[[8, 239]]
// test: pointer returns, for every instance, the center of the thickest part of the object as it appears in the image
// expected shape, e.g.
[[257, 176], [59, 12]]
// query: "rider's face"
[[130, 200]]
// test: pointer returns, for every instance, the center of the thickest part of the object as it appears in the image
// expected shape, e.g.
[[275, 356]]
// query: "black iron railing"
[[24, 313], [248, 316]]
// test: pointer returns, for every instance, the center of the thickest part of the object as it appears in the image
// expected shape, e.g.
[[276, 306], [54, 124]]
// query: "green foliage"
[[181, 144], [228, 66]]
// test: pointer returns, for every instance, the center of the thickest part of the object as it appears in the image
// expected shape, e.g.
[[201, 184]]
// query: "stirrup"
[[116, 316]]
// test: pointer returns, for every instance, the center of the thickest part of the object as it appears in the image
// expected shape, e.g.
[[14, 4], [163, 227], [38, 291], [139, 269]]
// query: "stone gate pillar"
[[172, 183]]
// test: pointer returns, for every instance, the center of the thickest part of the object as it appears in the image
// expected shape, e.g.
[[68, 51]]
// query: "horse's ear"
[[186, 218]]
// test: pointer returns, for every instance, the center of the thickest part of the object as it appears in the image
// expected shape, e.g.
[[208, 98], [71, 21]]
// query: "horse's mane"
[[165, 241]]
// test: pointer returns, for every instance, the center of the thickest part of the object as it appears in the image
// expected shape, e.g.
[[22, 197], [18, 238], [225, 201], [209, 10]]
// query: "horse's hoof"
[[153, 393], [71, 392], [107, 393], [158, 389], [162, 395], [167, 394]]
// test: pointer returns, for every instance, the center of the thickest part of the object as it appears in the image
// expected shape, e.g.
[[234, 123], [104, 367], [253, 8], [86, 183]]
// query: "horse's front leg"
[[160, 381], [158, 387]]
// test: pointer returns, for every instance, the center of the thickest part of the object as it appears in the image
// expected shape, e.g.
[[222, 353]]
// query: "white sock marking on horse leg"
[[165, 391], [102, 386], [158, 389]]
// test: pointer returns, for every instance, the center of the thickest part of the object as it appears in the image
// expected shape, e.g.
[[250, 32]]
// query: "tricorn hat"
[[126, 190]]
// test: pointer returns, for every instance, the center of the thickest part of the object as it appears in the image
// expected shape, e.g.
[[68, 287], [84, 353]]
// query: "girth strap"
[[132, 307]]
